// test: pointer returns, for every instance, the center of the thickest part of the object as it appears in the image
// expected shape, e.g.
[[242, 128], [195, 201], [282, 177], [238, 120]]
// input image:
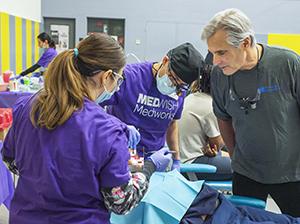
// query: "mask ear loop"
[[154, 79]]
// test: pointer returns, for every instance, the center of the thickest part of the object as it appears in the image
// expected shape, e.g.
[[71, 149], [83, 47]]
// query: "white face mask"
[[165, 85]]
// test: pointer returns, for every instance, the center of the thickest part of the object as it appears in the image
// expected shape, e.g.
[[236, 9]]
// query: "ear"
[[165, 60], [246, 43], [46, 41], [106, 76]]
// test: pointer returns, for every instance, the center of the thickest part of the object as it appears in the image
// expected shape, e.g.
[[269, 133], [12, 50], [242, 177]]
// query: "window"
[[112, 27]]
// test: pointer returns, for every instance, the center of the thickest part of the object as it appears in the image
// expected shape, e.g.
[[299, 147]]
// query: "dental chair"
[[192, 169]]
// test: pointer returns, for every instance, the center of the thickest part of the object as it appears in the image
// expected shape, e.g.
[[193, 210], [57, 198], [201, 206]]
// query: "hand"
[[161, 159], [134, 137], [176, 164], [15, 77], [210, 152], [36, 74]]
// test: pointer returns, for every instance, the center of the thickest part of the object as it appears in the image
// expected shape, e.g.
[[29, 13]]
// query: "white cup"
[[14, 85]]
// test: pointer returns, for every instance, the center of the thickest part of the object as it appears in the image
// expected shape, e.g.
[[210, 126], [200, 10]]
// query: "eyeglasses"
[[179, 88], [120, 80]]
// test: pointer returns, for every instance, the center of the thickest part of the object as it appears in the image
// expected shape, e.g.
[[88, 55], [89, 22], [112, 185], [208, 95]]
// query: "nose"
[[216, 60]]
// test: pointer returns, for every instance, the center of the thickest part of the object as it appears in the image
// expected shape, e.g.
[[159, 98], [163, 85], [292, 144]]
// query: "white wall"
[[267, 16], [27, 9]]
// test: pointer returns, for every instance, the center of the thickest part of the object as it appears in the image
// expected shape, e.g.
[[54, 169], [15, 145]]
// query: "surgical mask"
[[105, 95], [44, 48], [165, 85]]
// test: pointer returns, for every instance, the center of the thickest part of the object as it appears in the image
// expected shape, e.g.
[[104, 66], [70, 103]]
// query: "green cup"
[[27, 82]]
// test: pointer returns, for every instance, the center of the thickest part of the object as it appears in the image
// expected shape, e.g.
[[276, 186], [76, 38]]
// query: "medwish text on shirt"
[[155, 107]]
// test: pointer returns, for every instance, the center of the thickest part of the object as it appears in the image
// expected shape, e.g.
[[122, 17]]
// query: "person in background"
[[256, 98], [199, 136], [71, 156], [152, 98], [48, 45]]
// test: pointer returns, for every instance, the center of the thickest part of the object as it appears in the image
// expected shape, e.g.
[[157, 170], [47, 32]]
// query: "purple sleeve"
[[47, 57], [115, 170]]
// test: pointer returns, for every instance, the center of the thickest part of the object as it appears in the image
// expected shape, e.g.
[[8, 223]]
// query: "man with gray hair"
[[256, 98]]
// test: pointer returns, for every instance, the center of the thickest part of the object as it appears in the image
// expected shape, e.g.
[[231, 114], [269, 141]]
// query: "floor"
[[271, 206]]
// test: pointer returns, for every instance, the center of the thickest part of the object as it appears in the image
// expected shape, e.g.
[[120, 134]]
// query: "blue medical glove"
[[36, 74], [161, 159], [176, 164], [134, 137], [15, 77]]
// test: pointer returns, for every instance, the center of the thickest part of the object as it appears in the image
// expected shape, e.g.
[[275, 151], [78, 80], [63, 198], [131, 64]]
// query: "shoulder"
[[138, 68], [21, 104], [274, 53], [50, 51], [198, 100], [95, 113]]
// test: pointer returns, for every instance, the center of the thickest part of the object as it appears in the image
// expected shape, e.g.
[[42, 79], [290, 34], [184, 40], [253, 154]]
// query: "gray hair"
[[236, 25]]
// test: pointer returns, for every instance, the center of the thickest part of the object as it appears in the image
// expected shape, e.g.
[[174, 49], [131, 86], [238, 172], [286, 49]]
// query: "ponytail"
[[52, 44], [202, 84], [64, 92]]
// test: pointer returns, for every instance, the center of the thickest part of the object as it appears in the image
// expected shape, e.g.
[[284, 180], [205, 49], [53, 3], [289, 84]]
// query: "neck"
[[253, 57]]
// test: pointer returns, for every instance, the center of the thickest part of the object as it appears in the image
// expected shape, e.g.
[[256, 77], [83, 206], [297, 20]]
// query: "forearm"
[[228, 134], [30, 70], [122, 199], [216, 141], [172, 138]]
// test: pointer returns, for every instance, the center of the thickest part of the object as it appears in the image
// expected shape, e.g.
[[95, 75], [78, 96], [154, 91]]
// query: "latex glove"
[[176, 164], [134, 137], [36, 74], [15, 77], [161, 159]]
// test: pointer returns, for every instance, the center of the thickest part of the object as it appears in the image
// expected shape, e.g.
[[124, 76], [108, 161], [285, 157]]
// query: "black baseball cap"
[[186, 62]]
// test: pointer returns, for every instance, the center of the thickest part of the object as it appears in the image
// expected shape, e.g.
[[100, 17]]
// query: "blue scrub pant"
[[226, 212], [221, 162], [286, 195]]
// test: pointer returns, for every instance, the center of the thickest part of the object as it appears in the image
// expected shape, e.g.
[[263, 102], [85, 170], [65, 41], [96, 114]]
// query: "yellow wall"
[[5, 41], [25, 51], [291, 41]]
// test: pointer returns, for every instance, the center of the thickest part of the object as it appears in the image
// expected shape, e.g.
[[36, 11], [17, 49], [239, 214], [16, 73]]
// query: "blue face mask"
[[165, 85], [105, 95], [44, 48]]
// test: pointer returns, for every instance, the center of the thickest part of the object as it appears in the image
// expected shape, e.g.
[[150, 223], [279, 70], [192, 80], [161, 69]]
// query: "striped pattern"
[[19, 49]]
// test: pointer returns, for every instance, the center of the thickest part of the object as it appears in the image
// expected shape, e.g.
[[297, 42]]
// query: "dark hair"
[[203, 82], [44, 36], [67, 77]]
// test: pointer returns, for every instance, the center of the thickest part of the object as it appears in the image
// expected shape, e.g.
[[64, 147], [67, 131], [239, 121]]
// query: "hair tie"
[[76, 52]]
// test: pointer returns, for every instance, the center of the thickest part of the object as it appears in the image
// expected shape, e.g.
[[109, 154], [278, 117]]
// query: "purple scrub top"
[[47, 57], [61, 171], [140, 103]]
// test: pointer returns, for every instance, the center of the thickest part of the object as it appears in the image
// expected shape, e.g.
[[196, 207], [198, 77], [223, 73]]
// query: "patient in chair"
[[212, 207]]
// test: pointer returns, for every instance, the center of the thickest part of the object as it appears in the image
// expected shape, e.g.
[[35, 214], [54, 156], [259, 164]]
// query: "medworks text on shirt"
[[154, 103]]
